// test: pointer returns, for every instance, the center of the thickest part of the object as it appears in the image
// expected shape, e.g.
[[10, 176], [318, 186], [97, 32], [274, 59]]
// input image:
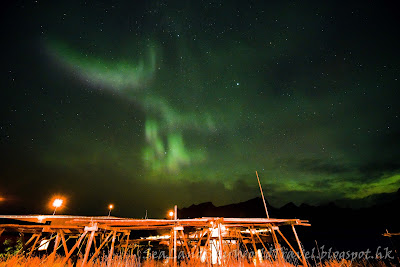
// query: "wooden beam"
[[194, 249], [57, 243], [26, 244], [299, 244], [262, 243], [64, 242], [175, 218], [207, 242], [185, 243], [78, 242], [220, 248], [100, 247], [279, 255], [287, 242], [253, 242], [53, 254], [126, 246], [262, 194], [88, 245], [34, 245], [111, 253]]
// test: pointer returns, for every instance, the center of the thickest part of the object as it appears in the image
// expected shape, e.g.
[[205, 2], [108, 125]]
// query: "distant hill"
[[333, 224]]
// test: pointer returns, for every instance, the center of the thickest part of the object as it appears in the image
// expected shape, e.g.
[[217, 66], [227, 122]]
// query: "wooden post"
[[279, 255], [206, 245], [126, 246], [110, 254], [254, 243], [175, 218], [299, 244], [220, 248], [53, 254], [88, 245], [171, 246], [57, 243]]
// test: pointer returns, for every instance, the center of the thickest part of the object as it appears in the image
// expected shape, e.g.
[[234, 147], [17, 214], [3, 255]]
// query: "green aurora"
[[157, 103]]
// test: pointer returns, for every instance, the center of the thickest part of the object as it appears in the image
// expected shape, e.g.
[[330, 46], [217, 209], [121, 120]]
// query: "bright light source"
[[171, 213], [41, 218], [110, 207], [57, 202]]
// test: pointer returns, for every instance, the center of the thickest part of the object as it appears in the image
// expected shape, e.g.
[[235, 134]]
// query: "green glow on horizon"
[[350, 189], [388, 184]]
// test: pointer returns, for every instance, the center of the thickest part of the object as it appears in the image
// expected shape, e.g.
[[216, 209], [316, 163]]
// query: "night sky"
[[147, 104]]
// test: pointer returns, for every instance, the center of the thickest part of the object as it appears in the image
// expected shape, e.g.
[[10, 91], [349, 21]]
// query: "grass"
[[132, 261]]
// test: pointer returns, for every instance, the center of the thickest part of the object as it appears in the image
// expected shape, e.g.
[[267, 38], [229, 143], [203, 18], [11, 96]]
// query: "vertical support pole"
[[126, 246], [278, 249], [171, 247], [53, 254], [175, 218], [254, 243], [111, 253], [88, 245], [208, 232], [220, 252], [299, 244], [57, 243]]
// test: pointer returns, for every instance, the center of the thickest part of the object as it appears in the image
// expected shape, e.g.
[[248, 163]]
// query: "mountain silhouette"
[[333, 225]]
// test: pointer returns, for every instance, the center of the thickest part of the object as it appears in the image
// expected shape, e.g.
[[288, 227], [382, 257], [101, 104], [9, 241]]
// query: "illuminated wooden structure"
[[197, 238]]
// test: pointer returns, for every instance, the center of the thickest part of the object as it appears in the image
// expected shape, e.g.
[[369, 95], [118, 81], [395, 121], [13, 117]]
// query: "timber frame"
[[196, 238]]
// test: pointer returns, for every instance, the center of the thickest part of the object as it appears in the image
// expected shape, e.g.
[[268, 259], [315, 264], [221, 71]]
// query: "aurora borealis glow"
[[150, 103]]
